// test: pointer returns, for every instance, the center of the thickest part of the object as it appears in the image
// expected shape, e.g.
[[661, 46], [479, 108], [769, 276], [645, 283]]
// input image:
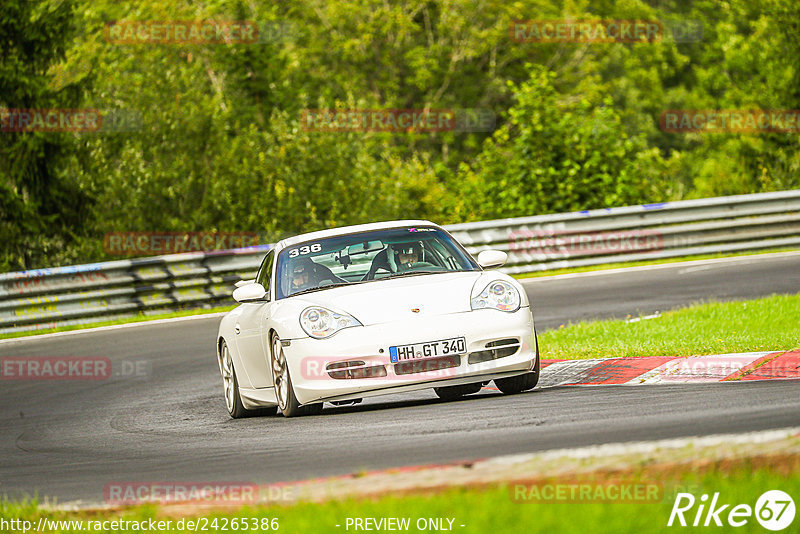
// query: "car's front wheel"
[[284, 391], [233, 400]]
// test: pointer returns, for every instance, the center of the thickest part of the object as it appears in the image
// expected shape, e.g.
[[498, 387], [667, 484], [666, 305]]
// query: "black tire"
[[520, 383], [241, 411], [282, 381], [456, 392], [233, 399]]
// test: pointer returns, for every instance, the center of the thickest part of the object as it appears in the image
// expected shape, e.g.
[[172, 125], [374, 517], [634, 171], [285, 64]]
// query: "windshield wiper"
[[355, 282], [326, 286], [414, 273]]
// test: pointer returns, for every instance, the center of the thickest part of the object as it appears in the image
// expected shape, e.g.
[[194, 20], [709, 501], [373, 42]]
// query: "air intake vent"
[[354, 369], [496, 349], [501, 342]]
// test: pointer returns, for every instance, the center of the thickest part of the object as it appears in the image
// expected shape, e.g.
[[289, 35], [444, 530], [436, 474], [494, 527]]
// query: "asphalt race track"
[[69, 439]]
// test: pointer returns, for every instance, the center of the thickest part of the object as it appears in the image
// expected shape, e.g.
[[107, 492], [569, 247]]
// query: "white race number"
[[305, 249]]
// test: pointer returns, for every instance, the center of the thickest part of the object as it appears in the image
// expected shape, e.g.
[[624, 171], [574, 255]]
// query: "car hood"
[[383, 301]]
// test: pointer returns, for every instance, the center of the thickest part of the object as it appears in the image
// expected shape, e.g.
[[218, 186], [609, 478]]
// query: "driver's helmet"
[[300, 275], [407, 254]]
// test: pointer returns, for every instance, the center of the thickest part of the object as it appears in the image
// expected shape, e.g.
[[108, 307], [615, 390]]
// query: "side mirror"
[[489, 259], [249, 292], [241, 283]]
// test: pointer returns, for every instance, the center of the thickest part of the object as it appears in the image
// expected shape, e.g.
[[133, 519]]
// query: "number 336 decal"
[[305, 249]]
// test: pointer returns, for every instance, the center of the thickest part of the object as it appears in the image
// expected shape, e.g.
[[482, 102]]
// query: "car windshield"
[[368, 256]]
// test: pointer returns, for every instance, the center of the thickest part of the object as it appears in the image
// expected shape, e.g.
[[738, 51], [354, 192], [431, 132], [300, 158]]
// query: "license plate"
[[431, 349]]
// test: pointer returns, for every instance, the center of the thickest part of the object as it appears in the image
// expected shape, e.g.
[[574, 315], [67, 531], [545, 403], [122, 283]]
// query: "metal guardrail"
[[44, 298], [635, 233]]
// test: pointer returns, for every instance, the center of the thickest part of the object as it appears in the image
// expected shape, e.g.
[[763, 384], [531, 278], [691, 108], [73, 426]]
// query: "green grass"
[[493, 509], [606, 266], [137, 319], [771, 323]]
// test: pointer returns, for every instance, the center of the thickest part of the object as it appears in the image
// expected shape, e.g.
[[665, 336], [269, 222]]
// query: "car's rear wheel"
[[284, 391], [233, 400], [520, 383], [456, 392]]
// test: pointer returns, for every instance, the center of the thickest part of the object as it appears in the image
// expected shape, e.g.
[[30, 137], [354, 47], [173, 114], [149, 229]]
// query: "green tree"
[[220, 145], [556, 154], [42, 208]]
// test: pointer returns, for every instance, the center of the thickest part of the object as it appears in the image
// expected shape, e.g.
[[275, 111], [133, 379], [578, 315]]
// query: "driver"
[[407, 255], [300, 277], [394, 258]]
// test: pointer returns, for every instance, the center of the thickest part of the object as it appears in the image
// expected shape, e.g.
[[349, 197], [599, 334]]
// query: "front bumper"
[[308, 358]]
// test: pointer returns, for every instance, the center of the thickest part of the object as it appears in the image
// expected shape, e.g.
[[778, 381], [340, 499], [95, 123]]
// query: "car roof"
[[331, 232]]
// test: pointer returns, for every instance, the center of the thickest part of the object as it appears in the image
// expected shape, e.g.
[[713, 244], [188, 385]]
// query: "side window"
[[265, 273]]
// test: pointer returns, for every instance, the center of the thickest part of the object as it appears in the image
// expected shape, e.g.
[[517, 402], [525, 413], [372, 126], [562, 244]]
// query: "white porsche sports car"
[[354, 312]]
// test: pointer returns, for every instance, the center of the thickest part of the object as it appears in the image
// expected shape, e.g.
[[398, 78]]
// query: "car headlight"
[[321, 323], [499, 295]]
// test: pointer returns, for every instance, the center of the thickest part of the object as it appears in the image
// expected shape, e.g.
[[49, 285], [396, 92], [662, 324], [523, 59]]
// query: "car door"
[[251, 334]]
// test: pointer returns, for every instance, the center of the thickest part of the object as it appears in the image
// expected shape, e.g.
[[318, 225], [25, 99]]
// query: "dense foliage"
[[213, 139]]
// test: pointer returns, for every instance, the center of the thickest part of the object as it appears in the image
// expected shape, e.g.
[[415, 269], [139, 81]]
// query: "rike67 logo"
[[774, 510]]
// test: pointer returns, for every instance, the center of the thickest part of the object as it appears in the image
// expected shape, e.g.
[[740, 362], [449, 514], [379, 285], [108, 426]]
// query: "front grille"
[[495, 350], [429, 364]]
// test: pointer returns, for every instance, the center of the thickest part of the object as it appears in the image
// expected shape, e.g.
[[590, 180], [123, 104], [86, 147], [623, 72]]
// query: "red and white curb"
[[669, 369]]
